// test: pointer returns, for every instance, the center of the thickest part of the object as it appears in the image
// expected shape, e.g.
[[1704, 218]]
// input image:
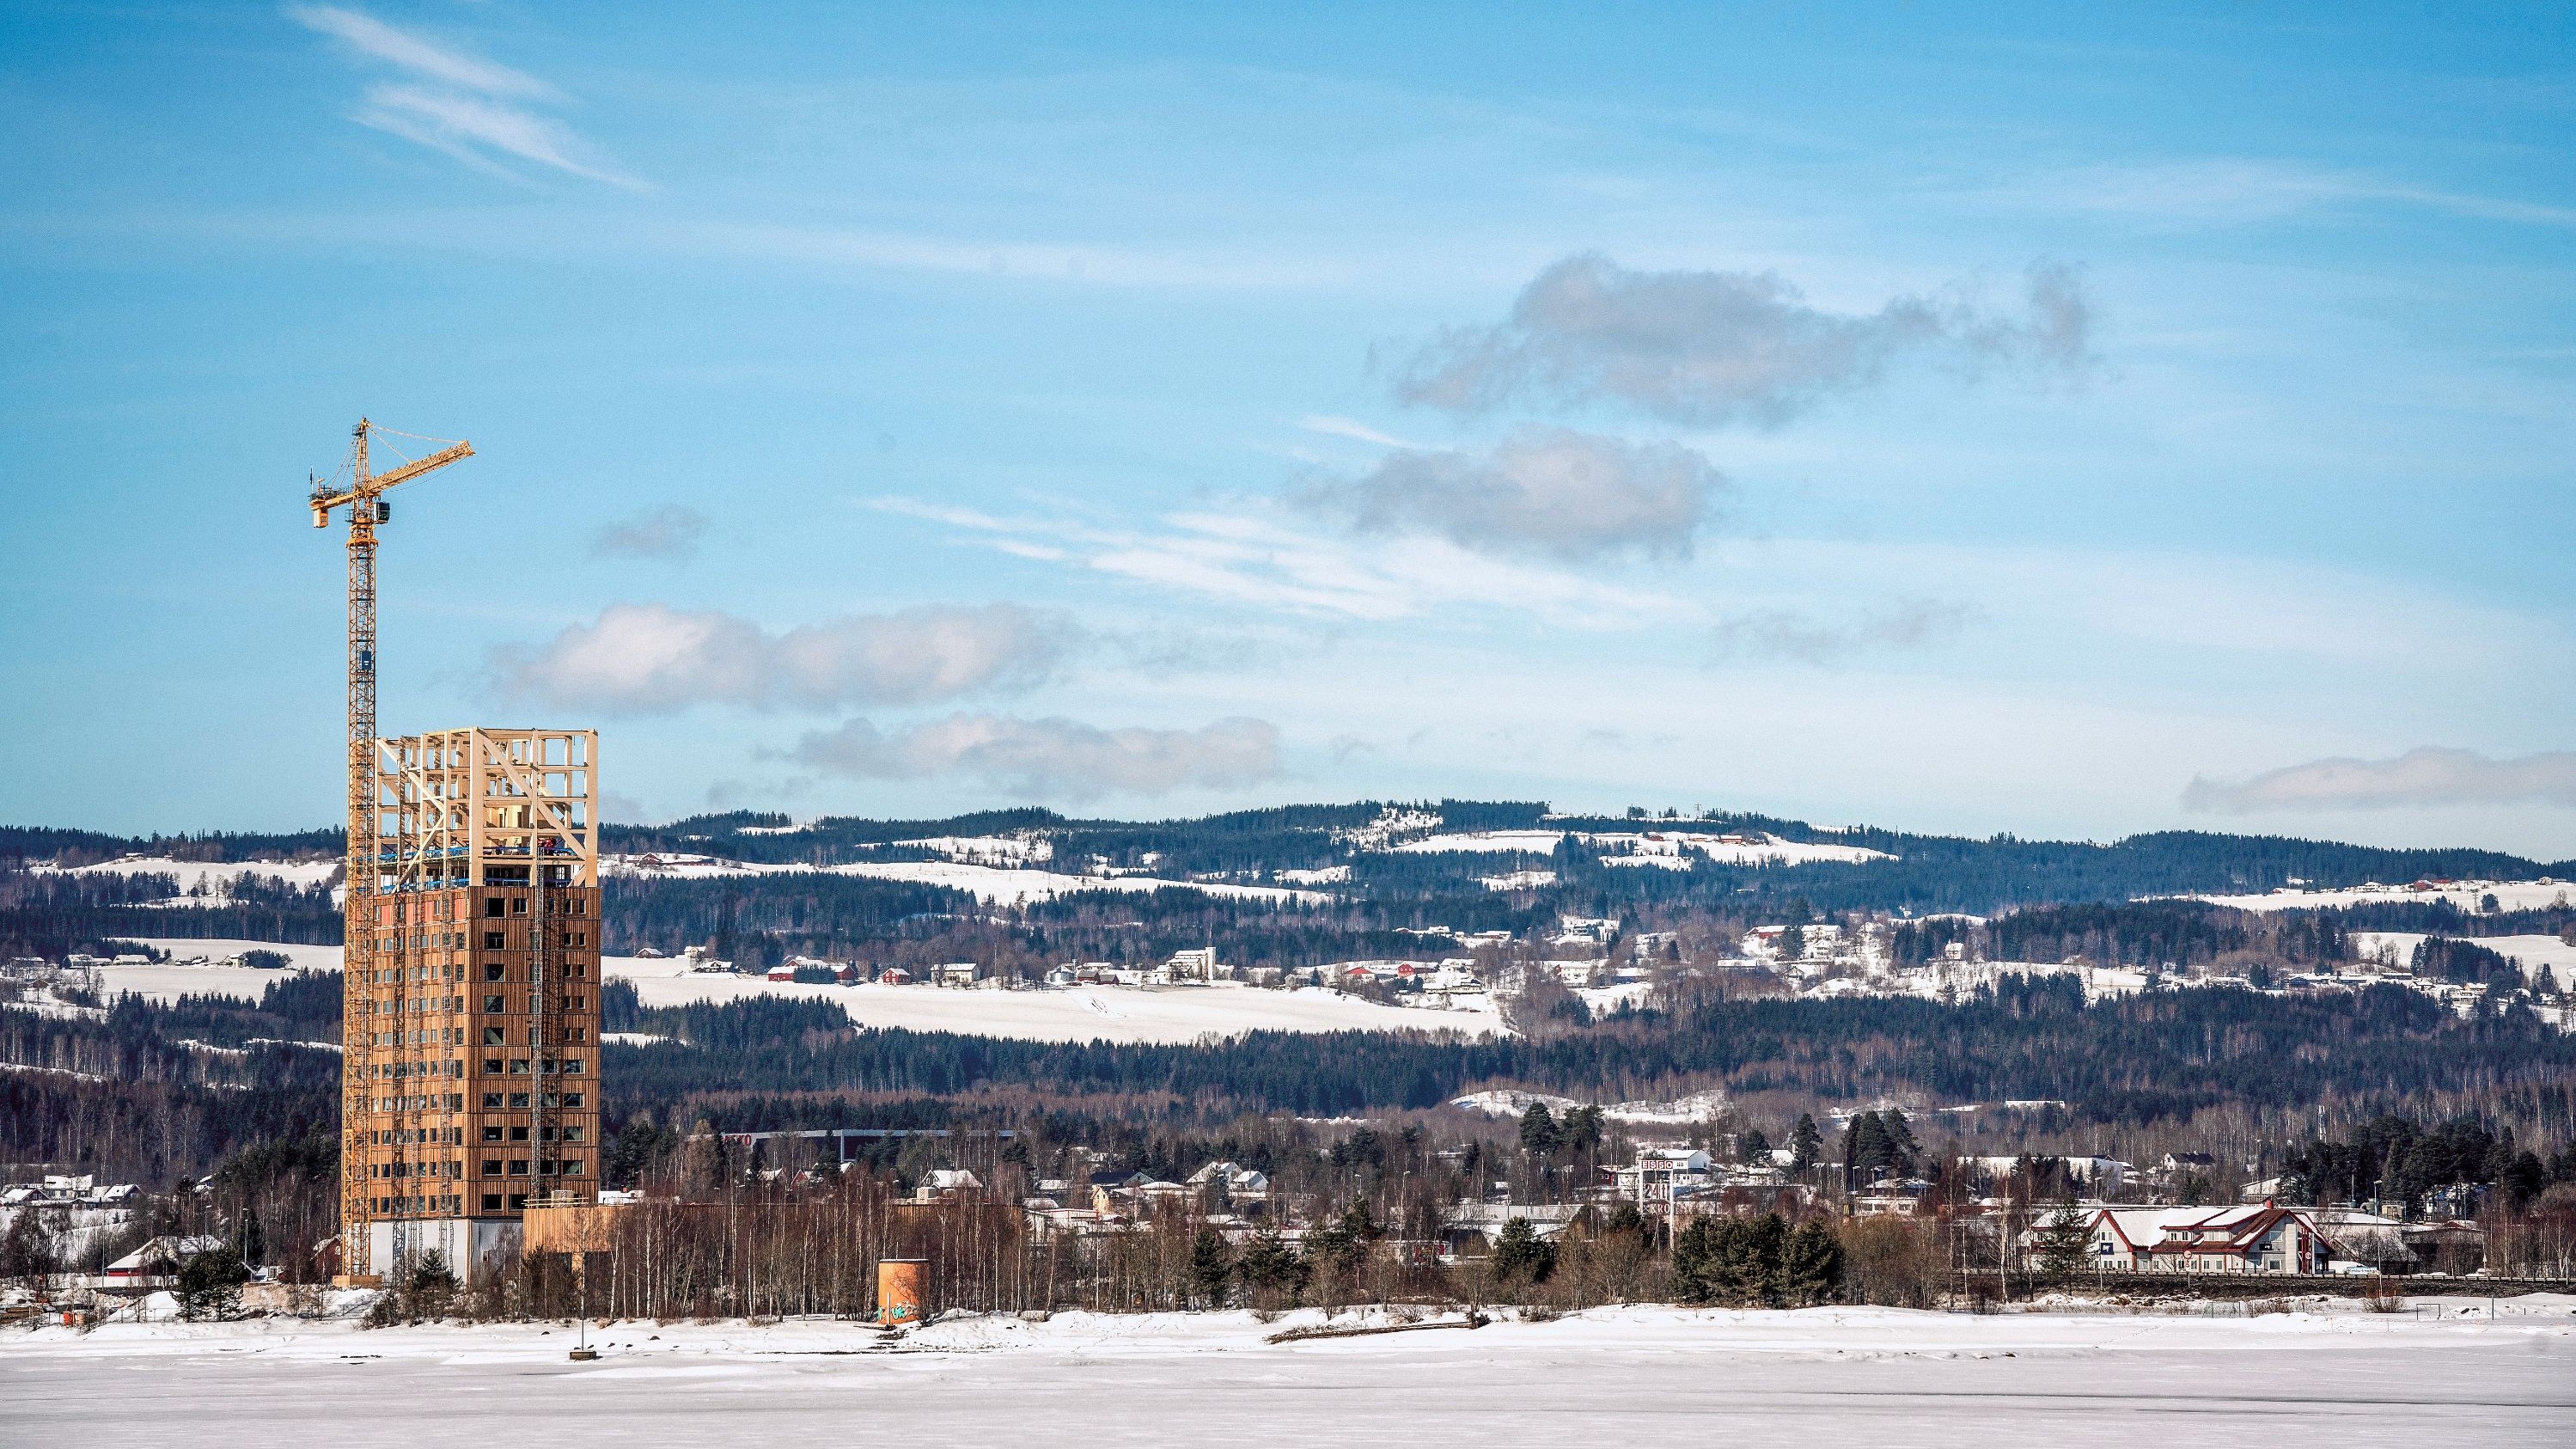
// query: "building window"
[[491, 1100], [491, 1167], [492, 940], [491, 1036], [518, 1101], [494, 1003], [492, 971], [572, 1099], [491, 1133], [518, 1167], [491, 1202], [492, 1068]]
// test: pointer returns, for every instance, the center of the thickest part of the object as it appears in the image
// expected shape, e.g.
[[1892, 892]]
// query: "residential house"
[[2257, 1238], [1232, 1187], [1470, 1229]]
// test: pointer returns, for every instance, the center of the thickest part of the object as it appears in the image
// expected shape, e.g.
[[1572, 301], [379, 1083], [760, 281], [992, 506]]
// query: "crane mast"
[[363, 499]]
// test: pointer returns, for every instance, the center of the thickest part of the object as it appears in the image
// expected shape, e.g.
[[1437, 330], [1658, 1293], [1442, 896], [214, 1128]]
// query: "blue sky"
[[1958, 418]]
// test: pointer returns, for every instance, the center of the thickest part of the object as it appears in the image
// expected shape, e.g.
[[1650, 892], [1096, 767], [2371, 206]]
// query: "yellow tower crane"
[[363, 497]]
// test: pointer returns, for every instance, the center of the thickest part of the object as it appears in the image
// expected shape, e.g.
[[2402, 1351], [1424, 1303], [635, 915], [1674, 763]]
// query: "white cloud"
[[1052, 758], [1709, 348], [2426, 777], [652, 659], [458, 104], [671, 531], [1250, 559], [1547, 491], [1796, 635]]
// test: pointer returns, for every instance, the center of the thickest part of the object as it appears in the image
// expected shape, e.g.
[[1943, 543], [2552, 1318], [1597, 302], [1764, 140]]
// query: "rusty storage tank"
[[899, 1283]]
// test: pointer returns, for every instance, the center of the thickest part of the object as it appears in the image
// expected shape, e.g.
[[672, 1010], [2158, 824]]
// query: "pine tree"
[[1268, 1268], [210, 1284], [1520, 1254], [1805, 1142], [1864, 1147], [2065, 1239], [1811, 1264], [1904, 1153], [1538, 1130], [1211, 1267], [1580, 1129]]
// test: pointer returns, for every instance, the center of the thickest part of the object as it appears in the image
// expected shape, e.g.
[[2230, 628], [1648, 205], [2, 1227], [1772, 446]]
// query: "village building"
[[2261, 1238]]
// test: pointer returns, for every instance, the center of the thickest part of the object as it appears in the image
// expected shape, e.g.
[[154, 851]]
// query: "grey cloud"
[[1051, 758], [1708, 348], [1790, 634], [670, 531], [1546, 491], [2430, 776], [650, 659]]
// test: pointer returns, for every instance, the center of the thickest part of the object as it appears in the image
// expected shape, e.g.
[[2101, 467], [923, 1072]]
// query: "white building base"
[[470, 1245]]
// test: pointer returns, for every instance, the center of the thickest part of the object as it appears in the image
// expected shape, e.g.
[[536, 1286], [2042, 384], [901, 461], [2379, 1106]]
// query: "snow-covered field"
[[1672, 849], [1074, 1013], [168, 982], [215, 878], [1082, 1013], [2533, 952], [2511, 895], [1661, 1375], [1079, 1013], [993, 885]]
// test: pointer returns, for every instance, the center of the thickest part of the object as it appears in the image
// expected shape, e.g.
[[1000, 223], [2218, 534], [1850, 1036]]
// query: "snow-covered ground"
[[1661, 1374], [1672, 849], [1510, 1102], [1080, 1013], [993, 885], [2533, 952], [167, 982], [2511, 895], [1074, 1013], [215, 878]]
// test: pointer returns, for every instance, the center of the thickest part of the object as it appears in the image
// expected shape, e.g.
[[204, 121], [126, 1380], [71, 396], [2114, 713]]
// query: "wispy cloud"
[[653, 659], [671, 531], [1349, 428], [1051, 758], [1545, 491], [458, 104], [1250, 559], [2234, 191], [1710, 348], [1803, 637], [2426, 777]]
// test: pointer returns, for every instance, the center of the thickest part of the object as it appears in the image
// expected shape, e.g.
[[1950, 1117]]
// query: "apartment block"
[[471, 1088]]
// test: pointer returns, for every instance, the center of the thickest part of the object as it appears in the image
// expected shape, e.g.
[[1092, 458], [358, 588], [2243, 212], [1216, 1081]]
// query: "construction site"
[[469, 1092]]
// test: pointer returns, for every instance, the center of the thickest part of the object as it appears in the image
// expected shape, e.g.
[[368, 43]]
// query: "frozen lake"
[[1856, 1375]]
